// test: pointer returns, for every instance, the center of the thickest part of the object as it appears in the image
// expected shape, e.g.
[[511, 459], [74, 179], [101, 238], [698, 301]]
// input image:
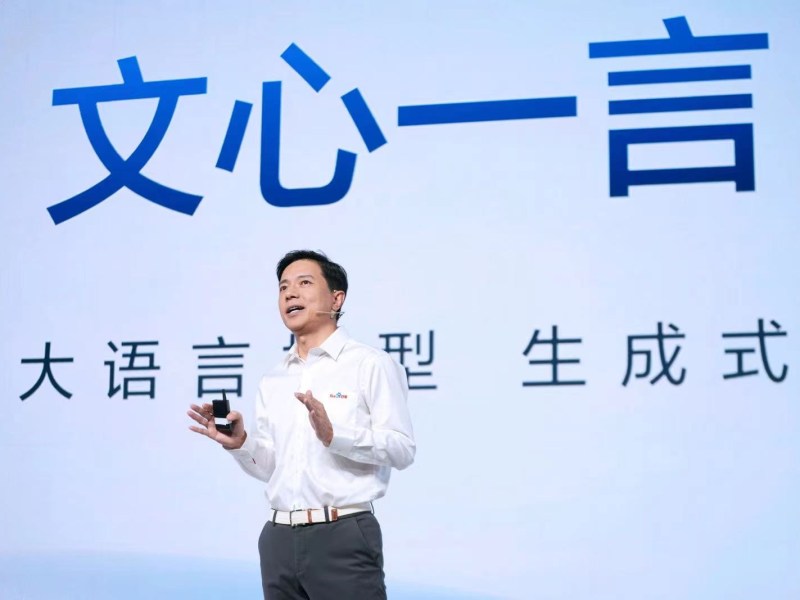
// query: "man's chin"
[[306, 326], [296, 325], [295, 328]]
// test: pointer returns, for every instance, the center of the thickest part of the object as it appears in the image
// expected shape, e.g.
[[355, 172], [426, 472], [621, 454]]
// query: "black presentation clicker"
[[221, 410]]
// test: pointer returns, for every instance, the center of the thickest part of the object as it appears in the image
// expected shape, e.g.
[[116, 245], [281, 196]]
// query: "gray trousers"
[[338, 561]]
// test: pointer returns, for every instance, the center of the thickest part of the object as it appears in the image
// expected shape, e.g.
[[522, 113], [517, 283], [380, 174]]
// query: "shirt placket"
[[299, 455]]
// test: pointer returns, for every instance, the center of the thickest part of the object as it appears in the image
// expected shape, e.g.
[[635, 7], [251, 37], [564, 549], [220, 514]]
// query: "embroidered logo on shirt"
[[338, 395]]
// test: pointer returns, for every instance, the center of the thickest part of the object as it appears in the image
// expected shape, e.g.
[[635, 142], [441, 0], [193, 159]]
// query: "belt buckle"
[[331, 515], [294, 523]]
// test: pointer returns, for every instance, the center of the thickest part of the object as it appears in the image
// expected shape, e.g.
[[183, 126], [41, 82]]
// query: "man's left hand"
[[318, 417]]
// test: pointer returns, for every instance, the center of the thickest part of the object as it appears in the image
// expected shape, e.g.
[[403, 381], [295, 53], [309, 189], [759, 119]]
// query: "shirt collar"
[[332, 346]]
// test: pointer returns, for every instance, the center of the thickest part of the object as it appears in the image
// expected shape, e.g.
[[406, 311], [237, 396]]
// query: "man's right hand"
[[204, 416]]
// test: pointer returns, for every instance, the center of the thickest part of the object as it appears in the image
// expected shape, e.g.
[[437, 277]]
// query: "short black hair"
[[334, 274]]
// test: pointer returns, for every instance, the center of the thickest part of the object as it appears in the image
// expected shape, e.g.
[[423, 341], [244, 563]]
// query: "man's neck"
[[307, 341]]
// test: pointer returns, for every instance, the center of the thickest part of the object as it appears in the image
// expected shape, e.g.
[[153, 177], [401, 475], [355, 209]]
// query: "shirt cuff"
[[245, 453], [344, 438]]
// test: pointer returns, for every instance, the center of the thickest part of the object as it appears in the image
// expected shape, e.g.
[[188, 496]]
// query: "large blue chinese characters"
[[680, 40], [127, 172], [271, 188]]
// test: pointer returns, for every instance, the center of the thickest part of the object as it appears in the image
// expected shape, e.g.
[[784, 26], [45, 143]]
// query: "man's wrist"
[[236, 447]]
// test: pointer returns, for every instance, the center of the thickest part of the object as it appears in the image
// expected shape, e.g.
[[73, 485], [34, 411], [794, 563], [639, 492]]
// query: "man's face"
[[304, 299]]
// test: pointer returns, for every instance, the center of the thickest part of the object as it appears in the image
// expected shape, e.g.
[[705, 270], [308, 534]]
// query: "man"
[[331, 421]]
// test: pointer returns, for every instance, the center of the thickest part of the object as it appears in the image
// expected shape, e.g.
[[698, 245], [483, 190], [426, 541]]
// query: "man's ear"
[[338, 299]]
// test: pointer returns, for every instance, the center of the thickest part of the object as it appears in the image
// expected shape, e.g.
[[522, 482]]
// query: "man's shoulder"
[[360, 351]]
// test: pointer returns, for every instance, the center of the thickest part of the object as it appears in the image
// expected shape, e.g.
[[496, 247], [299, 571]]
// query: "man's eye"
[[305, 282]]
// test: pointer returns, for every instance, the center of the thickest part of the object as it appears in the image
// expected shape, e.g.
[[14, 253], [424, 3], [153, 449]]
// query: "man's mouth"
[[294, 309]]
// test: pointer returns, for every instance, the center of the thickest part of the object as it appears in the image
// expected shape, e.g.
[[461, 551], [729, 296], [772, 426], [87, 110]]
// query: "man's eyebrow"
[[309, 276]]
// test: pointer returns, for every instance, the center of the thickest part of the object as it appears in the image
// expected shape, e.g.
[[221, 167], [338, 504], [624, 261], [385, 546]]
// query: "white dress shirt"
[[365, 394]]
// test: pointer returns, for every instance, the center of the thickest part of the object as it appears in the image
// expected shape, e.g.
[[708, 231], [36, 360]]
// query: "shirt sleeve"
[[388, 438], [257, 454]]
